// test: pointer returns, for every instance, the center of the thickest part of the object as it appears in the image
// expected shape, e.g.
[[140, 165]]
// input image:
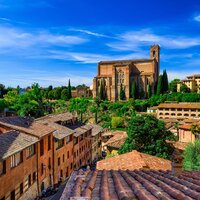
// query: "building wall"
[[83, 150], [46, 177], [96, 148], [13, 177], [65, 155], [186, 136], [178, 113], [143, 72]]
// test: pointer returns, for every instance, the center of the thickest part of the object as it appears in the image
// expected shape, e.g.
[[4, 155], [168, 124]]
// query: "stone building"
[[192, 82], [175, 110], [113, 74]]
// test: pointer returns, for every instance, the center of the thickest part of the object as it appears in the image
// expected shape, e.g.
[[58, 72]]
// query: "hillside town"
[[138, 155], [99, 100]]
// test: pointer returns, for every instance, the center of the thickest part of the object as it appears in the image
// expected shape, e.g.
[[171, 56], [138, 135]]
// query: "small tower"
[[155, 54]]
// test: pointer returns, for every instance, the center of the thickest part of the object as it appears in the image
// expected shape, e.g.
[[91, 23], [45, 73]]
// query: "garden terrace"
[[132, 184]]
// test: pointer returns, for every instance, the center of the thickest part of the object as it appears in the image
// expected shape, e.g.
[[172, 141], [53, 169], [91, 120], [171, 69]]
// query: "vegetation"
[[159, 90], [117, 122], [165, 83], [184, 89], [191, 156], [173, 85], [121, 93], [147, 134], [101, 92], [133, 90]]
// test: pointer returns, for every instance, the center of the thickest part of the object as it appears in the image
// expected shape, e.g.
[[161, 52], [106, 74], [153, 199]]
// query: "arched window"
[[120, 77]]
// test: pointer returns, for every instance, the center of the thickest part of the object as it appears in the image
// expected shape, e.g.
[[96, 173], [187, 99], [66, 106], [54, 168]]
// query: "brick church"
[[111, 74]]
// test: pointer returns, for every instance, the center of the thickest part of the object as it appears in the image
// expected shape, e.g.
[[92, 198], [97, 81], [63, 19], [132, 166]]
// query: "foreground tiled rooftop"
[[26, 125], [13, 141], [96, 129], [132, 185], [134, 160]]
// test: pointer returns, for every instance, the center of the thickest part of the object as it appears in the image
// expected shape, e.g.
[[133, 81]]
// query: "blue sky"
[[50, 41]]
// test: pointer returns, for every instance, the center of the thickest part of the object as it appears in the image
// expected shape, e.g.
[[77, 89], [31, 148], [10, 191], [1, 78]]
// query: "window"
[[68, 154], [21, 188], [49, 163], [59, 161], [12, 195], [3, 198], [63, 157], [2, 167], [49, 142], [30, 151], [34, 176], [42, 147], [68, 139], [71, 166], [120, 77], [29, 180], [16, 159], [59, 144]]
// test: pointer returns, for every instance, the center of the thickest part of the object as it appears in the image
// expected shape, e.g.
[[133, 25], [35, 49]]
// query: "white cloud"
[[17, 38], [91, 33], [197, 18], [134, 40], [87, 58]]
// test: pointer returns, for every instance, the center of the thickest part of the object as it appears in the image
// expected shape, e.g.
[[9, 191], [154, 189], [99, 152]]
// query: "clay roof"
[[117, 140], [26, 125], [126, 61], [56, 117], [194, 75], [132, 185], [82, 129], [96, 129], [178, 145], [12, 142], [188, 126], [179, 105], [61, 131], [134, 160]]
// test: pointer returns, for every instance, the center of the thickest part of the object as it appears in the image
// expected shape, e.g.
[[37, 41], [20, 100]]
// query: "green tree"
[[149, 90], [173, 85], [80, 106], [133, 89], [64, 94], [159, 85], [191, 156], [57, 93], [69, 95], [101, 92], [116, 122], [165, 81], [147, 134], [121, 93], [184, 89], [195, 129]]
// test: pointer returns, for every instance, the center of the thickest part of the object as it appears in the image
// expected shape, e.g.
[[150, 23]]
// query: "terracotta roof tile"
[[12, 142], [26, 125], [135, 185], [134, 160], [179, 105], [177, 144], [117, 140]]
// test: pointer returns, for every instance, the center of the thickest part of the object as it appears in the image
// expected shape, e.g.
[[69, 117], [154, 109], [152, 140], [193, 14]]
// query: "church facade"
[[114, 74]]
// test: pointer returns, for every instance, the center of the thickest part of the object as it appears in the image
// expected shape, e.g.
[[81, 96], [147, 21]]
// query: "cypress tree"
[[69, 91], [160, 85], [133, 89], [121, 94], [149, 91], [165, 81], [101, 91]]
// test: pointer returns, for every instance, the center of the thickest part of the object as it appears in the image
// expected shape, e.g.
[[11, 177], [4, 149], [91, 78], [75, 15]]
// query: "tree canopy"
[[191, 156], [147, 134]]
